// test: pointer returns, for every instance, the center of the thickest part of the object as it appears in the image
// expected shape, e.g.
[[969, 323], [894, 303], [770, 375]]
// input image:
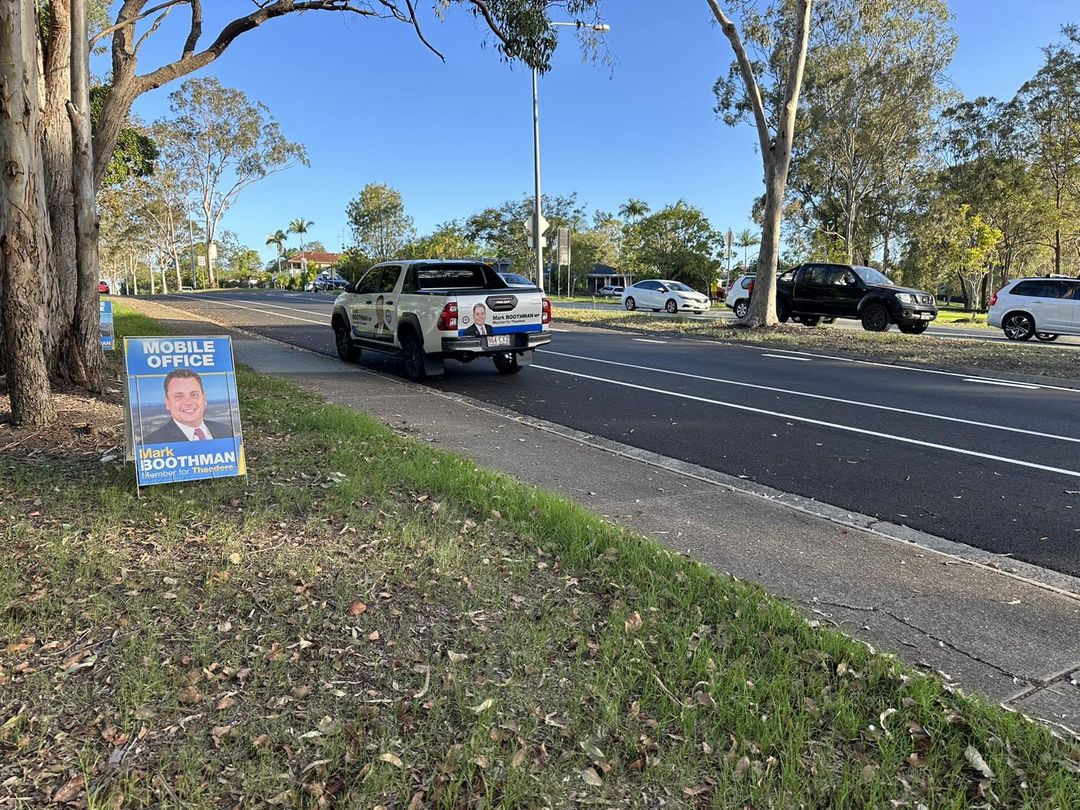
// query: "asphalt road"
[[968, 333], [985, 462]]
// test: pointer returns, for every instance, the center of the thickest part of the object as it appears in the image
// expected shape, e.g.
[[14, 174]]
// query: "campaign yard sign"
[[105, 319], [185, 417]]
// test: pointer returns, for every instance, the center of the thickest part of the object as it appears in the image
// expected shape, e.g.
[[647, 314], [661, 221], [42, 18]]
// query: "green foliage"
[[354, 263], [676, 242], [135, 152], [500, 231], [952, 242], [876, 73], [380, 226], [447, 241]]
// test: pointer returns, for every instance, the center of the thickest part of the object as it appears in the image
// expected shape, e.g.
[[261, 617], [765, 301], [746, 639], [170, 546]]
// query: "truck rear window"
[[456, 277]]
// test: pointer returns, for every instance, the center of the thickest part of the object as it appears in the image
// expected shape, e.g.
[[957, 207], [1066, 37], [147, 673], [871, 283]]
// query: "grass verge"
[[892, 346], [366, 621], [954, 317]]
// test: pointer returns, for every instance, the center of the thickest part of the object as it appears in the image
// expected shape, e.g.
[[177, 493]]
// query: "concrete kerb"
[[1002, 565]]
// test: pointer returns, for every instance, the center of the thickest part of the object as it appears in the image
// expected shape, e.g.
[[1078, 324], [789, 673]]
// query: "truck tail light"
[[448, 318], [546, 305], [993, 298], [750, 288]]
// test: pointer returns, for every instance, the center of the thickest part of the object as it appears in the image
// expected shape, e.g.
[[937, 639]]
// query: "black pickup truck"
[[815, 291]]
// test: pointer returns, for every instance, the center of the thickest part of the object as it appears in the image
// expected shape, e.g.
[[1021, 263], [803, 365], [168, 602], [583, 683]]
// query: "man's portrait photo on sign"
[[185, 407], [479, 325]]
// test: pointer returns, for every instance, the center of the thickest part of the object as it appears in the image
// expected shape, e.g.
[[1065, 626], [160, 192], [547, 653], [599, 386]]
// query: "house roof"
[[315, 257], [604, 271]]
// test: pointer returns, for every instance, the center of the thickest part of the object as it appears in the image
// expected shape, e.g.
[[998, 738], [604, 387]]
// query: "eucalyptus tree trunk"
[[59, 283], [775, 151], [83, 360], [24, 247]]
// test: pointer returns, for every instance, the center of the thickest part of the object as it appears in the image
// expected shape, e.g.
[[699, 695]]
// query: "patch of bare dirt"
[[88, 424]]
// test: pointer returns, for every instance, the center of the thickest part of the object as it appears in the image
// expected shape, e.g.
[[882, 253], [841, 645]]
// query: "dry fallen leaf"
[[974, 758], [70, 791], [483, 707], [591, 749], [591, 777], [632, 623], [357, 608], [742, 766], [374, 635], [392, 760], [455, 657], [885, 715]]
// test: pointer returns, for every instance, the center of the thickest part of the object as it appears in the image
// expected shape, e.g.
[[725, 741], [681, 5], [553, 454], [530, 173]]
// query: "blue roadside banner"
[[105, 319], [184, 410]]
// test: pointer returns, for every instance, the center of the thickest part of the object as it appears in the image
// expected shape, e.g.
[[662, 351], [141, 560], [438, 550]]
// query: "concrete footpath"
[[1010, 635]]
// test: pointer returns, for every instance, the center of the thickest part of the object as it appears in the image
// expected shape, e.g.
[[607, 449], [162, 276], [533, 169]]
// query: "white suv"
[[738, 297], [1040, 307]]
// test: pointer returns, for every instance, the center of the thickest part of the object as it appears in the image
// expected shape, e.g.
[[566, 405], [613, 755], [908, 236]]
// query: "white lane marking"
[[1001, 383], [775, 390], [787, 357], [647, 340], [847, 428], [261, 311], [276, 306], [911, 368]]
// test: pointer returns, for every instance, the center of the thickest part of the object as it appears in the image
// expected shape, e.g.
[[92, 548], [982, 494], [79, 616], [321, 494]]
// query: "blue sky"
[[372, 105]]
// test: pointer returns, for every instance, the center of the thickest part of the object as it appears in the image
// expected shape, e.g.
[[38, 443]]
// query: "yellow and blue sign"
[[185, 414], [105, 319]]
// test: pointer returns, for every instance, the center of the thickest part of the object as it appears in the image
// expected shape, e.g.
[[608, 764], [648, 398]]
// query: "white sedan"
[[657, 294]]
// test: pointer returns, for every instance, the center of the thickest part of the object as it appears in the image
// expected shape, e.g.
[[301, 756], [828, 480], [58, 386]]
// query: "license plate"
[[926, 316], [498, 340]]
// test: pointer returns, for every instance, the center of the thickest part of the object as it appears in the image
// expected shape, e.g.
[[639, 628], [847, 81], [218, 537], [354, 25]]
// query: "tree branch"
[[796, 66], [753, 91], [485, 11], [419, 33], [193, 61], [196, 28], [121, 22], [153, 28]]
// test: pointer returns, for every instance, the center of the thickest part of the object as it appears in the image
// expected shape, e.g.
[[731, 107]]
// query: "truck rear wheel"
[[413, 355]]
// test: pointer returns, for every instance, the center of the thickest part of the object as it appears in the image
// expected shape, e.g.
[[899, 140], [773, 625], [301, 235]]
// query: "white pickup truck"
[[429, 310]]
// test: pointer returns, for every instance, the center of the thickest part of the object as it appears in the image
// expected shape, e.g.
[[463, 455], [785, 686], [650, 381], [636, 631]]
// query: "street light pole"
[[537, 236]]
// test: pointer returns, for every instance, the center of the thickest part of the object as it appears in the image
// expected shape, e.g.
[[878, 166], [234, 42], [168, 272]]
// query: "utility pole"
[[730, 239]]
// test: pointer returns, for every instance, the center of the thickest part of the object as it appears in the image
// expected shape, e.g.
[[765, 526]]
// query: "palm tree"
[[746, 239], [300, 227], [634, 209], [278, 238]]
